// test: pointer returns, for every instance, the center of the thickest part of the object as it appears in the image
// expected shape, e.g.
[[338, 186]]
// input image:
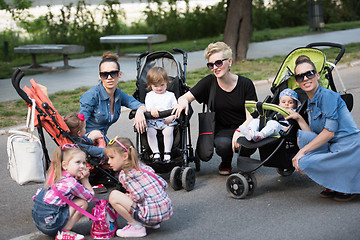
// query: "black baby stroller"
[[182, 152], [278, 151], [48, 118]]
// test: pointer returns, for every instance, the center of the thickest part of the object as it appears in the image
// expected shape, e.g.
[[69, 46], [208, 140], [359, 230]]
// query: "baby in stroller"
[[93, 143], [159, 99], [288, 99]]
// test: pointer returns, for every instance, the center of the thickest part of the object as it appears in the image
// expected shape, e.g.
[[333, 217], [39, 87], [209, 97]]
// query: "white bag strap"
[[30, 119]]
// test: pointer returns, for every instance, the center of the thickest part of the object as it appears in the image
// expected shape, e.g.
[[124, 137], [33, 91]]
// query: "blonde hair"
[[218, 47], [109, 57], [132, 160], [54, 172], [156, 75], [74, 123]]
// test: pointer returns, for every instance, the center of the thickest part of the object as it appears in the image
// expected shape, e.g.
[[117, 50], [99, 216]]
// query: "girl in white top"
[[159, 99]]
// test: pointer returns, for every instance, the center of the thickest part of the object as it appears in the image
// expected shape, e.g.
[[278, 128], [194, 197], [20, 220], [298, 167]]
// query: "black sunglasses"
[[217, 63], [309, 74], [113, 74]]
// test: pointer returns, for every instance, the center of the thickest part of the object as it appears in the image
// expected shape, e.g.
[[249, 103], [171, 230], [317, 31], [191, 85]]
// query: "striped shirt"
[[70, 188], [148, 194]]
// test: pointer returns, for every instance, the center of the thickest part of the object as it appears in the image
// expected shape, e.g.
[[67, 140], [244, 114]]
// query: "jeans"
[[49, 219], [223, 147]]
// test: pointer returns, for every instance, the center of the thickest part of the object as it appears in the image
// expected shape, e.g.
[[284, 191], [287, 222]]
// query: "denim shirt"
[[95, 105], [327, 110]]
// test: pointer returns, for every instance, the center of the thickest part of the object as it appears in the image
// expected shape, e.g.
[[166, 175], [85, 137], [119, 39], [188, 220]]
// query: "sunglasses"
[[217, 63], [68, 146], [309, 74], [114, 140], [113, 74]]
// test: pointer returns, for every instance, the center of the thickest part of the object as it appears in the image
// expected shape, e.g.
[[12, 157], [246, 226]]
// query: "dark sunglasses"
[[309, 74], [113, 74], [217, 63]]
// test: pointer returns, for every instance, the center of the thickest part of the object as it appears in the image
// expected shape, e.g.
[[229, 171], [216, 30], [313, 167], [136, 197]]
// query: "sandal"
[[327, 193], [343, 197], [167, 160]]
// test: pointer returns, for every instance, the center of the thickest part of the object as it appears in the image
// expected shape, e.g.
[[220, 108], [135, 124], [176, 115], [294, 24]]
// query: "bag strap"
[[211, 100], [153, 175], [72, 204]]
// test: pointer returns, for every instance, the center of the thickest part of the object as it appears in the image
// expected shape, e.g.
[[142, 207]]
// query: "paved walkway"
[[86, 69]]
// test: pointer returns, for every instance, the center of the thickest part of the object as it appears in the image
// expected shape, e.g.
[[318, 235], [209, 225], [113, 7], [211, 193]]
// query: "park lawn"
[[14, 112]]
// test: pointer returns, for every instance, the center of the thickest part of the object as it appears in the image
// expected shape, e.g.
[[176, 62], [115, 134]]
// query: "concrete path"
[[85, 70]]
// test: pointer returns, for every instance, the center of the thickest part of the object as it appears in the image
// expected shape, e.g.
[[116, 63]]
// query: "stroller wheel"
[[175, 178], [188, 179], [285, 172], [237, 185], [252, 183]]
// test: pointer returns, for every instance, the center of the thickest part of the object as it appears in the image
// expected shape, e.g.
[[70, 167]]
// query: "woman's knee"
[[223, 146]]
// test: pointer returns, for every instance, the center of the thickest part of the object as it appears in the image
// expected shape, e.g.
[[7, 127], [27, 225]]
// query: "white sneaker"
[[131, 231], [68, 235]]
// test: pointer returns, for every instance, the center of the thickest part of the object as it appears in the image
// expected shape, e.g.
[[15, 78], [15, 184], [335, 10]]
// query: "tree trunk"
[[238, 28]]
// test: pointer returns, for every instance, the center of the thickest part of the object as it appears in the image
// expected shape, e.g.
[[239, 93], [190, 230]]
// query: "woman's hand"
[[293, 115], [178, 108], [95, 134], [235, 144], [295, 160], [139, 120]]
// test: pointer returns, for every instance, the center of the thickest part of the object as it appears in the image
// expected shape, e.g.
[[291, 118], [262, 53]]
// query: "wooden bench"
[[64, 49], [140, 38]]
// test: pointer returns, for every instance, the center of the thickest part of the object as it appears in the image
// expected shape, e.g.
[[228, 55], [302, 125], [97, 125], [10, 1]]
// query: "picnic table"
[[64, 49], [137, 38]]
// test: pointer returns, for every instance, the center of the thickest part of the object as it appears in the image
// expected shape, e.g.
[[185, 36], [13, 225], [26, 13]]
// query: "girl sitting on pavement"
[[68, 175], [159, 99], [146, 204]]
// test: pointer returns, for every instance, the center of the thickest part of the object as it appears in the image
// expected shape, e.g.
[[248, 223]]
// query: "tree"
[[238, 27]]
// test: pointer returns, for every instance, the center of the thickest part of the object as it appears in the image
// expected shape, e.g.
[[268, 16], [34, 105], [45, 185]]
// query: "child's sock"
[[258, 136], [247, 132], [136, 224]]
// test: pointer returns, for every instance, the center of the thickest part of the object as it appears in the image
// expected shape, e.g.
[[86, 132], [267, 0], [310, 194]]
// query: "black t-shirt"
[[229, 106]]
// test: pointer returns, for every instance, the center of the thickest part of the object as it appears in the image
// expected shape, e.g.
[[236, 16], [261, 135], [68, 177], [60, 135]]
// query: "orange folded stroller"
[[48, 118]]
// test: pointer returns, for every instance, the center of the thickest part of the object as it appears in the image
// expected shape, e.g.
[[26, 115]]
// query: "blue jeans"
[[49, 219]]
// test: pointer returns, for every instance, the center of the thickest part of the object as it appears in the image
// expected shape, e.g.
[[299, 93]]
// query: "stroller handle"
[[330, 44], [15, 80], [162, 114]]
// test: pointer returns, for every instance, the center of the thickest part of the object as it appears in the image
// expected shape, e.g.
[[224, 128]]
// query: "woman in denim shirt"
[[101, 105], [330, 144]]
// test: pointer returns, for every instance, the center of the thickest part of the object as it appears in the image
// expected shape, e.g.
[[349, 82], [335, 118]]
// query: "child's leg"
[[152, 141], [250, 130], [254, 124], [74, 216], [168, 141], [271, 128], [122, 204]]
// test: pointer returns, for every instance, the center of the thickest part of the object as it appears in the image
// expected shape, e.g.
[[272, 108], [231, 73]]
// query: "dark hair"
[[110, 57], [303, 59]]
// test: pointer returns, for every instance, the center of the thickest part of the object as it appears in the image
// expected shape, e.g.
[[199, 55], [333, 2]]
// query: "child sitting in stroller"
[[159, 99], [93, 144], [288, 99]]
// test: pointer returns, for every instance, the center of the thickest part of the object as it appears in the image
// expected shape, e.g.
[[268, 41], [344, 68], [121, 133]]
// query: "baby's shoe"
[[167, 157], [131, 231]]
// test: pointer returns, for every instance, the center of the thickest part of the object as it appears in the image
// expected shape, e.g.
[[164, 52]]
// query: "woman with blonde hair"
[[231, 93]]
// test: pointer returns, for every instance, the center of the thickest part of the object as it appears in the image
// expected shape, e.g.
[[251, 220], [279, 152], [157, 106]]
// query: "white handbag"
[[26, 156]]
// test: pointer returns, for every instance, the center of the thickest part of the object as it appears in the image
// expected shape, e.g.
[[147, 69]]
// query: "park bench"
[[139, 38], [64, 49]]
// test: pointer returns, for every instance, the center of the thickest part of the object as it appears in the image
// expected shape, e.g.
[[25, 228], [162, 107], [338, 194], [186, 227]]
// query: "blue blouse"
[[95, 105], [327, 110]]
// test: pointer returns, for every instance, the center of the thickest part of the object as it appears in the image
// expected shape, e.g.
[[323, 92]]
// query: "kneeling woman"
[[330, 145]]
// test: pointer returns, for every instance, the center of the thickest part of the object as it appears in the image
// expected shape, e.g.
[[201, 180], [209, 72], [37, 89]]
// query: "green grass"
[[7, 68]]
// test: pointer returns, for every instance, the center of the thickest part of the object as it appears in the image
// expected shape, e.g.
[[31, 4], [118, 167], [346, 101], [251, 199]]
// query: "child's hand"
[[84, 174], [169, 119], [154, 112]]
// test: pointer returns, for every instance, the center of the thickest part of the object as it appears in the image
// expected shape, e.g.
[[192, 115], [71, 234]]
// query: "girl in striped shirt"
[[68, 175], [145, 203]]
